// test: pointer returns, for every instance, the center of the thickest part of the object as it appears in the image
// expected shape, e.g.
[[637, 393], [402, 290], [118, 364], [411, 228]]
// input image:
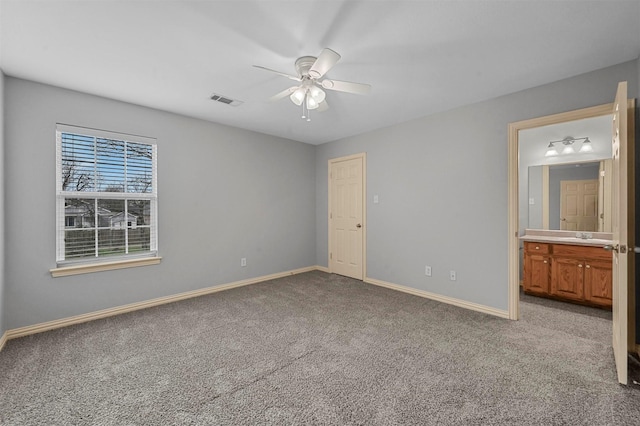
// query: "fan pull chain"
[[305, 110]]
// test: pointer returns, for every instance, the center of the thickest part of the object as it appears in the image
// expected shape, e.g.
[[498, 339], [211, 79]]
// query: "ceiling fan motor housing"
[[304, 64]]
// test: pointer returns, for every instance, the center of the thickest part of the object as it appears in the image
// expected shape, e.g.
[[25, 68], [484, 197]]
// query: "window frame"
[[91, 264]]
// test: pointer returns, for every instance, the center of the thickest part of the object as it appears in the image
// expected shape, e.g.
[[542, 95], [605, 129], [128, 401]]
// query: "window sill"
[[104, 266]]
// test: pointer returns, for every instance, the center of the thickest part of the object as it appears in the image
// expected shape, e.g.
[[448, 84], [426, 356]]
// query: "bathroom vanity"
[[562, 265]]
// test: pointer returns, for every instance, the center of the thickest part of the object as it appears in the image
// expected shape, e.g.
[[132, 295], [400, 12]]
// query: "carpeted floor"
[[319, 349]]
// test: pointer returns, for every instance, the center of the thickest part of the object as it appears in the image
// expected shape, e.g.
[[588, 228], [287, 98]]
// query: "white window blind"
[[106, 195]]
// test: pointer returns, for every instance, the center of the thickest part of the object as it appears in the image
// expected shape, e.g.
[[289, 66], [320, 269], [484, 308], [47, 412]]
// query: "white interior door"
[[346, 225], [619, 209]]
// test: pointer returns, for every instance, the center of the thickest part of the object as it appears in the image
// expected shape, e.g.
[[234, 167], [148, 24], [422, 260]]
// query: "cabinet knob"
[[588, 266], [545, 261], [537, 248], [579, 265]]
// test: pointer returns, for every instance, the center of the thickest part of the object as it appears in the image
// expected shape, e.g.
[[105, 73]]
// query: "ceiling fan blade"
[[283, 94], [324, 63], [323, 106], [292, 77], [347, 86]]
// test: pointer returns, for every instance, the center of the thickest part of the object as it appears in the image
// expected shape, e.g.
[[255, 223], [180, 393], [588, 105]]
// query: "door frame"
[[363, 156], [513, 213]]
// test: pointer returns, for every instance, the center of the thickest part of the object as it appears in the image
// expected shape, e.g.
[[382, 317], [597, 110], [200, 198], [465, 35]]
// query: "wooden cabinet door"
[[567, 278], [598, 286], [536, 269]]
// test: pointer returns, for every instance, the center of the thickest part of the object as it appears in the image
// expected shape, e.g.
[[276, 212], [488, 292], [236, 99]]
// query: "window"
[[106, 195]]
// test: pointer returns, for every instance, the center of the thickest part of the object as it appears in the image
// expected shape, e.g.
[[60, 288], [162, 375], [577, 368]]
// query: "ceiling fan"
[[309, 93]]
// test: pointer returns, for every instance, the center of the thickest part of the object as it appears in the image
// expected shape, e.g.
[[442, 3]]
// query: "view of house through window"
[[106, 195]]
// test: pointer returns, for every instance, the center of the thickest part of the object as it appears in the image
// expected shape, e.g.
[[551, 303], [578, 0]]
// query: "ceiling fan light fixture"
[[310, 94], [317, 94], [297, 97], [311, 103]]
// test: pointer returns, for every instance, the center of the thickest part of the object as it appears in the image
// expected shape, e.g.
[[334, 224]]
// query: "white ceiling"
[[420, 57]]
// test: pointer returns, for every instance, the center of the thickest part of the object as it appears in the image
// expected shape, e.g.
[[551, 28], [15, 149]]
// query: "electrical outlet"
[[452, 275], [427, 271], [243, 261]]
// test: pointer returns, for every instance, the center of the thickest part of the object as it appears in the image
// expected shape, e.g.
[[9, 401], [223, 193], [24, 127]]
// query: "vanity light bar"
[[568, 148]]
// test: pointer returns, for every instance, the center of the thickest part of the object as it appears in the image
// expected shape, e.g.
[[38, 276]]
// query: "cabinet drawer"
[[581, 251], [532, 247]]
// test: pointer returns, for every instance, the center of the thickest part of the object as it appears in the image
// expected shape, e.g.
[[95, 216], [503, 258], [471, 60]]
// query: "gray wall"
[[441, 179], [224, 193], [557, 175], [3, 327], [442, 183]]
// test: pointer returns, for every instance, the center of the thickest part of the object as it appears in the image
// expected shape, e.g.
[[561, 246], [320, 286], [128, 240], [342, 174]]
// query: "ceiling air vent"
[[225, 100]]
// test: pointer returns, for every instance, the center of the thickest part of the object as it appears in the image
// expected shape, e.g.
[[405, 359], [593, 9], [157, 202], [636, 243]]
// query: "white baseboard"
[[3, 339], [444, 299], [322, 269], [91, 316]]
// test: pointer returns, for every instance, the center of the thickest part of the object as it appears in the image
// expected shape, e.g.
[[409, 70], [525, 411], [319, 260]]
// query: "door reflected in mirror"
[[572, 197]]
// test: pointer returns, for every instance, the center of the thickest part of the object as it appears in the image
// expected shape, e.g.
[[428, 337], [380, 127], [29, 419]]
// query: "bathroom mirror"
[[572, 196], [536, 163]]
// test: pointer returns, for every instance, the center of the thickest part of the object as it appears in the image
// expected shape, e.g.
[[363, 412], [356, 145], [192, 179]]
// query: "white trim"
[[440, 298], [545, 196], [62, 195], [79, 319], [88, 268], [322, 269], [3, 339], [88, 131]]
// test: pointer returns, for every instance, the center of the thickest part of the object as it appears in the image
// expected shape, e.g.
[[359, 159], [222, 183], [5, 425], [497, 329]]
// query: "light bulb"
[[568, 149], [311, 103], [317, 94], [298, 96], [551, 152], [586, 146]]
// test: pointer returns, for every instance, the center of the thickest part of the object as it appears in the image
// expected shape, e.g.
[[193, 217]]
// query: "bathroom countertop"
[[600, 239], [595, 242]]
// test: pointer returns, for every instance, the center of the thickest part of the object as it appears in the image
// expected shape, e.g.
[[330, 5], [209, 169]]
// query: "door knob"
[[610, 247], [358, 226]]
